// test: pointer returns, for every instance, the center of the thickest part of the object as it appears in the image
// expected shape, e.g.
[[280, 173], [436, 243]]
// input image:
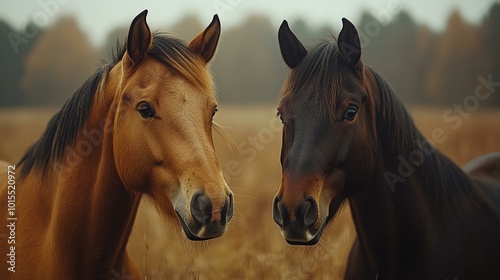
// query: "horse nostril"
[[201, 208], [230, 207], [280, 214], [227, 210], [308, 211]]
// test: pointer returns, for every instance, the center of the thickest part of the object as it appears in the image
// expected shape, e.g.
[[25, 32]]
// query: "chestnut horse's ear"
[[291, 48], [349, 44], [139, 39], [205, 43]]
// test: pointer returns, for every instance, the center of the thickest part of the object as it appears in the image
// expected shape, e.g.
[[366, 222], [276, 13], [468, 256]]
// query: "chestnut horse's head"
[[328, 129], [162, 139]]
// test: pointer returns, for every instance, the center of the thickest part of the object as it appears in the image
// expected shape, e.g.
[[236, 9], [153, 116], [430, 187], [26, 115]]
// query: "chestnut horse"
[[347, 137], [140, 126]]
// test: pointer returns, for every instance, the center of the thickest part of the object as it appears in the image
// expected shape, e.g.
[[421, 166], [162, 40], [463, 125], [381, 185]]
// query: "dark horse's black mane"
[[441, 179], [62, 129]]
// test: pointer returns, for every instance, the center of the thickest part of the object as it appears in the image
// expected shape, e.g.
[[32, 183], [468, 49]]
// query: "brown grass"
[[252, 248]]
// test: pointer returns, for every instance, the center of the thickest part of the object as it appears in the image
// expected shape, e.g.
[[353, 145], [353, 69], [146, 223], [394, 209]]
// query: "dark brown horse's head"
[[327, 111]]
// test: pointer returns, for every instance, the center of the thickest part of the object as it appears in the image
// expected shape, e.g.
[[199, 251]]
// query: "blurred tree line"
[[424, 66]]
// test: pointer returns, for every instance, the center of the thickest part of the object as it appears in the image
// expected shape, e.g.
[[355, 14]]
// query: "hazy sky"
[[97, 17]]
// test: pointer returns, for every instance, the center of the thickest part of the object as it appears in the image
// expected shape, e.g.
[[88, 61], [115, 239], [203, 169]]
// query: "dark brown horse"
[[347, 137]]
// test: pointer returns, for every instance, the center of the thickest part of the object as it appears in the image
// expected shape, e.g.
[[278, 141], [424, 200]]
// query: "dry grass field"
[[252, 248]]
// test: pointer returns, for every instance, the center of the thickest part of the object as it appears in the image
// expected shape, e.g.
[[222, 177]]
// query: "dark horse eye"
[[278, 114], [145, 110], [350, 114]]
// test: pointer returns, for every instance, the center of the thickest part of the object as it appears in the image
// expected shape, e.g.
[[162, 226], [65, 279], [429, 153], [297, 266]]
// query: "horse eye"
[[214, 111], [280, 116], [350, 114], [145, 110]]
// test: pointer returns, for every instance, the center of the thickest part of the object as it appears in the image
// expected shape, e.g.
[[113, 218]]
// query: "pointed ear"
[[291, 48], [205, 43], [349, 44], [139, 39]]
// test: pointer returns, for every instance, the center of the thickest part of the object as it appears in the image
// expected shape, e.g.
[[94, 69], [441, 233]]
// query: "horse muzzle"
[[204, 221], [300, 225]]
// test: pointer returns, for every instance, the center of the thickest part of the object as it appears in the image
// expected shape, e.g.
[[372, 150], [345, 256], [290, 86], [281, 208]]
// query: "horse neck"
[[413, 167], [110, 219], [373, 211], [388, 217], [100, 212], [408, 194], [425, 183]]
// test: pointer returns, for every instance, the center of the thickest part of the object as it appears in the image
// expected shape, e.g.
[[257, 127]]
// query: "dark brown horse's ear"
[[291, 48], [349, 44], [139, 39], [205, 43]]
